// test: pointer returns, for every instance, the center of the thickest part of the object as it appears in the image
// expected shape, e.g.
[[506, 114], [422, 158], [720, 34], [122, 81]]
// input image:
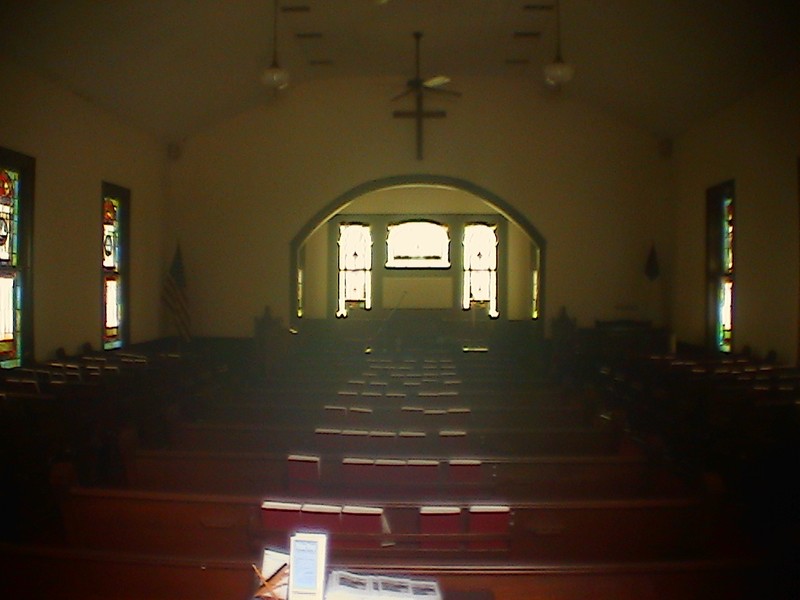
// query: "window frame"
[[343, 305], [443, 261], [718, 273], [120, 273], [454, 222], [468, 302], [25, 166]]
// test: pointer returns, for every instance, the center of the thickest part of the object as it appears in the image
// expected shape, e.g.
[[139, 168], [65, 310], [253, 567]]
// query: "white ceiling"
[[174, 67]]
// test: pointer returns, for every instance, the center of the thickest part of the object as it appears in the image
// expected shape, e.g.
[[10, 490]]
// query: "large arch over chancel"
[[453, 202]]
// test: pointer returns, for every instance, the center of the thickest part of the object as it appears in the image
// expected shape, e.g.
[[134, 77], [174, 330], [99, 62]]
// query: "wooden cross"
[[419, 113]]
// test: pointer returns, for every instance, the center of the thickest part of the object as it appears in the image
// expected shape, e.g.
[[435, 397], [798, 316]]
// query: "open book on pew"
[[343, 585]]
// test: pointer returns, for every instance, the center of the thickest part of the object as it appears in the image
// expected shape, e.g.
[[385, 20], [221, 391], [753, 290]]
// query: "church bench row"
[[106, 369], [79, 574], [257, 473], [475, 440], [695, 378], [425, 412], [552, 531], [730, 406], [230, 526], [380, 398]]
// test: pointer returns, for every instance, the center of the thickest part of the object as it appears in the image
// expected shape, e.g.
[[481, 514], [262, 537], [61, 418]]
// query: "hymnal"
[[280, 518], [492, 521], [440, 520], [307, 560]]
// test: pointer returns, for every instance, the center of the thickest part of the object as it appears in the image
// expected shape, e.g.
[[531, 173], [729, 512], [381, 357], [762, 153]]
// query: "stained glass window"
[[355, 267], [417, 245], [112, 252], [9, 298], [480, 267], [720, 282], [535, 282], [17, 174], [110, 233], [725, 302]]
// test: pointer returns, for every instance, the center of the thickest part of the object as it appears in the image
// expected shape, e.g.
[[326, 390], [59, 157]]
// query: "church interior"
[[499, 293]]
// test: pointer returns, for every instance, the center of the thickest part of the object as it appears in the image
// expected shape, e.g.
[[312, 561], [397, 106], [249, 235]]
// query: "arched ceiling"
[[174, 67]]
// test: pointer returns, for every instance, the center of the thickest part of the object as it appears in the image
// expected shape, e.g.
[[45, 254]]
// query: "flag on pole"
[[174, 296]]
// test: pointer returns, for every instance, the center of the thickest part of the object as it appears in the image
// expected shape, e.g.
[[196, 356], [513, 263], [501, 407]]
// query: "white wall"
[[594, 187], [76, 147], [756, 143]]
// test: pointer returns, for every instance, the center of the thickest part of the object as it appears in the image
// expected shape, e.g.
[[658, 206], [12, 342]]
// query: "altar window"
[[355, 267], [480, 267], [417, 245]]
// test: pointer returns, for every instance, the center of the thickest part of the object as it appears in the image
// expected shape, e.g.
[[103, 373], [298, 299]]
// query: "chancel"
[[553, 355]]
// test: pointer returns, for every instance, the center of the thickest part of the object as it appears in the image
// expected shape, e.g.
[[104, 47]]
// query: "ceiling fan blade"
[[403, 94], [436, 81], [441, 91], [419, 86]]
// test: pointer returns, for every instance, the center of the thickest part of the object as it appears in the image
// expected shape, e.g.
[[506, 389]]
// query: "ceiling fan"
[[418, 85]]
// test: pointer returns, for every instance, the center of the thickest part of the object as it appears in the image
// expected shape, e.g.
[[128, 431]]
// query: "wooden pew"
[[82, 574], [160, 523], [510, 441], [230, 526], [79, 574], [249, 473], [304, 395], [371, 412]]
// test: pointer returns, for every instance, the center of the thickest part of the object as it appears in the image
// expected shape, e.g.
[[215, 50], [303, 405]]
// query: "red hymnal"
[[362, 526], [320, 517], [440, 520], [490, 520], [280, 517]]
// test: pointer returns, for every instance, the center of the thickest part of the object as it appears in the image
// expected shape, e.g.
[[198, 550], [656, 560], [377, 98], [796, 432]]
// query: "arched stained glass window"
[[355, 267], [480, 267], [417, 245]]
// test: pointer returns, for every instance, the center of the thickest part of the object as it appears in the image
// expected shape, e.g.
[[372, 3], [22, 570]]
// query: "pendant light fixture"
[[558, 72], [274, 76]]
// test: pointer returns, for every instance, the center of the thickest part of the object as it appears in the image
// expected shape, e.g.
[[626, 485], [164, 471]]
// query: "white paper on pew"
[[272, 562], [343, 585]]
